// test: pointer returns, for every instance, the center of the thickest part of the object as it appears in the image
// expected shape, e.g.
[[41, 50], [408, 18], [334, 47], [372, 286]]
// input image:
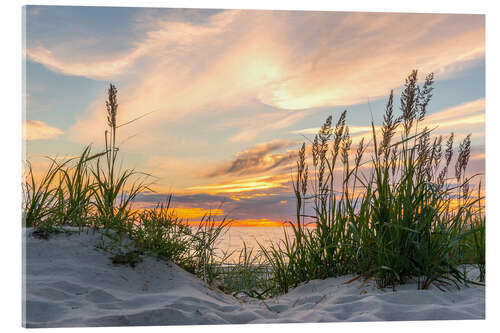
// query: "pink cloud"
[[36, 130]]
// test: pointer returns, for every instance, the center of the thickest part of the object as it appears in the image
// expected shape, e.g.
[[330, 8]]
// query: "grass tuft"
[[393, 216], [385, 209]]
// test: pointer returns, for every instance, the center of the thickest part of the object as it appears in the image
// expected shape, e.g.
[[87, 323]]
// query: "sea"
[[234, 240]]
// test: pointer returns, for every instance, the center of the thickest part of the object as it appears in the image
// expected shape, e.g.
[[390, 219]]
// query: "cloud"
[[307, 60], [188, 171], [245, 208], [352, 130], [251, 128], [460, 116], [183, 199], [257, 223], [243, 185], [257, 159], [365, 54], [183, 212], [460, 119], [37, 130], [102, 69], [196, 212], [164, 38]]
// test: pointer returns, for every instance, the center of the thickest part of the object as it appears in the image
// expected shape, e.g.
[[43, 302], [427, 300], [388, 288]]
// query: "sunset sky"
[[231, 94]]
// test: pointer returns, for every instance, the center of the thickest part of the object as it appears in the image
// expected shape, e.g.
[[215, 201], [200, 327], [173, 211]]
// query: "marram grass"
[[392, 209], [398, 214]]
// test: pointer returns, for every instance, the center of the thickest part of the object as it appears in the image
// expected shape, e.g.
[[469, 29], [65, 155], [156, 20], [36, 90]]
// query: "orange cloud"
[[36, 130], [245, 195], [247, 223], [192, 213], [243, 185], [185, 213], [257, 223]]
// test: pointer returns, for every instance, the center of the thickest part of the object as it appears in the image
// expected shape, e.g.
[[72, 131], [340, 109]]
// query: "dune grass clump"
[[93, 191], [159, 231], [249, 275], [131, 258], [39, 199], [394, 216], [62, 195]]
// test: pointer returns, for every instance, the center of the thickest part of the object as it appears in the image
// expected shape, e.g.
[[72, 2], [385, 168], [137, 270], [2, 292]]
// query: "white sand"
[[69, 283]]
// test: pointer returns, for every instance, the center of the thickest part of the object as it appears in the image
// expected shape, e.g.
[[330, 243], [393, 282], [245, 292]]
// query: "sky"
[[231, 95]]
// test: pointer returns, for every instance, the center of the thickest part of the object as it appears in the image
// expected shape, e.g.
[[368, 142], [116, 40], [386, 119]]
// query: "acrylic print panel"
[[198, 166]]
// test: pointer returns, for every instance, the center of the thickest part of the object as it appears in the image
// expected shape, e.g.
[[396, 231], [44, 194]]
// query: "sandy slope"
[[69, 283]]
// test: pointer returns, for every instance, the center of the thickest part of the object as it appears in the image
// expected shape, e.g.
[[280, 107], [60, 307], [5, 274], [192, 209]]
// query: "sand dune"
[[69, 283]]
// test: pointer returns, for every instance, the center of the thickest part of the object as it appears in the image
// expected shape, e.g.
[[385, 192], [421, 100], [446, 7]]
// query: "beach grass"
[[391, 209], [396, 214], [92, 191], [248, 275]]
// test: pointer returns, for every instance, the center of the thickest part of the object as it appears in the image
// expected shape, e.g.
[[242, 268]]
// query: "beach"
[[68, 283]]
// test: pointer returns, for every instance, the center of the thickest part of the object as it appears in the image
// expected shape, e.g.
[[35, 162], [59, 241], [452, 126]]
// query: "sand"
[[69, 283]]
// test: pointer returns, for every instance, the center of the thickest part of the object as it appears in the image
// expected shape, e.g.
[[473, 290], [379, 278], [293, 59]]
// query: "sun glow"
[[184, 213], [246, 223], [243, 185]]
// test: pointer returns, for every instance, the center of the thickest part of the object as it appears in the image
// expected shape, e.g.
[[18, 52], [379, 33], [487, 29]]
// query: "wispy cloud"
[[459, 119], [36, 130], [164, 39], [364, 55], [233, 57], [460, 116], [257, 159], [352, 130], [271, 122]]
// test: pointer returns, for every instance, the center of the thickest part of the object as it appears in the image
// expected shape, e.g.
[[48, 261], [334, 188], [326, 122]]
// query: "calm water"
[[235, 237]]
